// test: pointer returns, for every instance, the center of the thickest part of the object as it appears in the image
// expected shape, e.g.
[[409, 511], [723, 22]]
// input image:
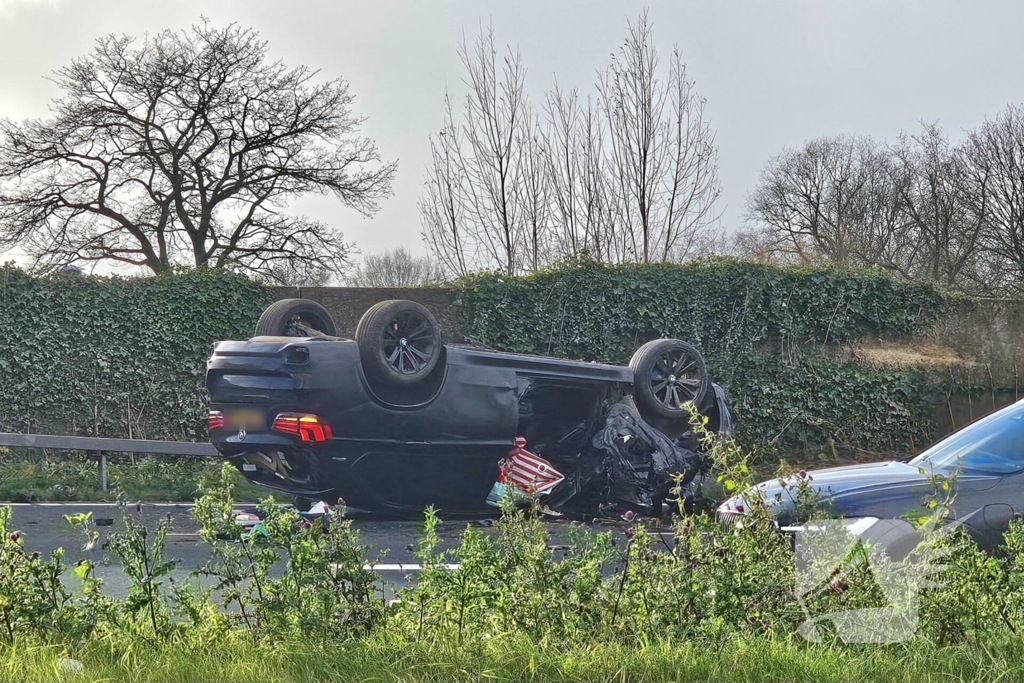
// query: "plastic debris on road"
[[256, 533], [320, 508], [246, 519]]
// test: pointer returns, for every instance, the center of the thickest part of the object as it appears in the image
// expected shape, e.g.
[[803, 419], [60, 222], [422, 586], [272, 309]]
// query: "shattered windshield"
[[994, 444]]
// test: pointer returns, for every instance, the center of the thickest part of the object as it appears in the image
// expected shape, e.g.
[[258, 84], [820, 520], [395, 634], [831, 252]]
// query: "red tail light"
[[216, 420], [309, 428]]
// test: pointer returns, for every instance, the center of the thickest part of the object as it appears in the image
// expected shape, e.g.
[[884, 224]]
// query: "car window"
[[992, 445]]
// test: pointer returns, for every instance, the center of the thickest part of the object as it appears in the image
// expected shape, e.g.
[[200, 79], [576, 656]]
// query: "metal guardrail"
[[91, 443], [98, 447]]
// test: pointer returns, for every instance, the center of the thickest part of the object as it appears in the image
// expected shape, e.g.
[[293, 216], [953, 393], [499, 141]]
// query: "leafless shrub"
[[395, 268]]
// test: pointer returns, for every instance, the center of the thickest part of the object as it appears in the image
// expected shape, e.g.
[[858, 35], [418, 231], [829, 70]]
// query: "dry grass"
[[904, 355]]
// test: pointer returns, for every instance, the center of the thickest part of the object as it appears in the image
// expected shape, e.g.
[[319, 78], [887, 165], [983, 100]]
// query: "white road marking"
[[404, 567], [99, 505]]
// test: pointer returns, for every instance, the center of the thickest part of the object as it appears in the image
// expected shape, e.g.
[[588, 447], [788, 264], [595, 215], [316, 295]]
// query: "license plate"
[[244, 418]]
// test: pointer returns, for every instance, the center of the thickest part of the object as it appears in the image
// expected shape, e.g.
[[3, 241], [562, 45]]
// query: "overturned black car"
[[396, 420]]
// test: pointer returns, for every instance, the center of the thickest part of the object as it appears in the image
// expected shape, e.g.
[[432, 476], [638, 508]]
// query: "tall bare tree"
[[597, 206], [564, 171], [912, 207], [184, 148], [481, 165], [496, 117], [662, 154], [633, 179], [532, 194], [576, 175], [443, 205]]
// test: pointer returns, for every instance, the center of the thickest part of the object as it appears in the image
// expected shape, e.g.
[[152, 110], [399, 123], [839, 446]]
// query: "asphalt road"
[[44, 529]]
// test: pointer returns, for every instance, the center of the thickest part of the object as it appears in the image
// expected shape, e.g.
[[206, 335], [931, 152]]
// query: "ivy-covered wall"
[[112, 356], [769, 335]]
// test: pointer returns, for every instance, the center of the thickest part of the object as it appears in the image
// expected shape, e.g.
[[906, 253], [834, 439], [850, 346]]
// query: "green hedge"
[[769, 335], [90, 355]]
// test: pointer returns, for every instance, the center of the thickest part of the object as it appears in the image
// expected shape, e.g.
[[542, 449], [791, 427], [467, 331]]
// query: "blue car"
[[984, 463]]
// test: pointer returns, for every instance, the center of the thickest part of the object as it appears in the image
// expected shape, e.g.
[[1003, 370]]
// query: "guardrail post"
[[102, 471]]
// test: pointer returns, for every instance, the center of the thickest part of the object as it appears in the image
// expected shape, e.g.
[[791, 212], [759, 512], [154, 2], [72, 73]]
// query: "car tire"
[[667, 374], [399, 342], [282, 319]]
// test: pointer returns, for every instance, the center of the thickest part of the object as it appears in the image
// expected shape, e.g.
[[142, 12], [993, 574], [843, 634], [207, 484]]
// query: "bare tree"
[[443, 204], [885, 237], [910, 207], [576, 176], [944, 207], [921, 208], [994, 157], [532, 194], [597, 206], [763, 244], [662, 156], [481, 166], [826, 200], [395, 268], [564, 168], [633, 179], [495, 117], [184, 148]]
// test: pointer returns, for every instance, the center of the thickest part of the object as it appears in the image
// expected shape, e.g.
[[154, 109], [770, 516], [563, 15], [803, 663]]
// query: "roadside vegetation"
[[687, 601], [29, 477]]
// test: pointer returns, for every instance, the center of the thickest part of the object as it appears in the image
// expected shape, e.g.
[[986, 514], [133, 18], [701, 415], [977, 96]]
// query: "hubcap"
[[675, 379], [408, 343]]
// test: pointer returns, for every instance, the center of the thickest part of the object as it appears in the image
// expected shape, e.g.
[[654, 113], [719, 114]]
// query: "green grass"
[[734, 661], [68, 476]]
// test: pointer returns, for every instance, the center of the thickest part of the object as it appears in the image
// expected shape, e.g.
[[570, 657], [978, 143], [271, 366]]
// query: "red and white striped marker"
[[528, 471]]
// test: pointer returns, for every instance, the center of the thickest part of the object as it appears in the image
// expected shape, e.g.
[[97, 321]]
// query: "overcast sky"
[[775, 73]]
